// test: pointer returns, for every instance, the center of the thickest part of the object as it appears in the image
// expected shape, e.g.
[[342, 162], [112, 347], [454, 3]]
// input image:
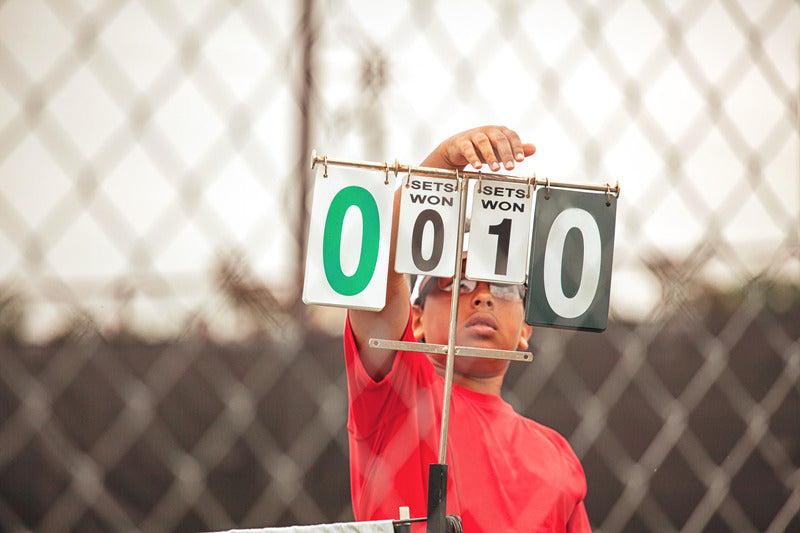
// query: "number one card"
[[348, 239], [499, 233]]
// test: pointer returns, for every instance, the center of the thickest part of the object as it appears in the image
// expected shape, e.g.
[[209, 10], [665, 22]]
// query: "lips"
[[482, 324]]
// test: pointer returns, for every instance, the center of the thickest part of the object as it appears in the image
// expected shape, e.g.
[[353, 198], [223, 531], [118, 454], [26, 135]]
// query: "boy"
[[506, 472]]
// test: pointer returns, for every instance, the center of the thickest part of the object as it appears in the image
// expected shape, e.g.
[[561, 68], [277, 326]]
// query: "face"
[[484, 321]]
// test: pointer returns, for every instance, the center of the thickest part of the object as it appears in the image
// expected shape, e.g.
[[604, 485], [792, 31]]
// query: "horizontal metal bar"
[[466, 351], [408, 346], [511, 355], [397, 169]]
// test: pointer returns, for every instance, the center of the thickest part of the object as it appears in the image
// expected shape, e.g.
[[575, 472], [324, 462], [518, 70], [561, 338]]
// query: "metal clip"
[[531, 189]]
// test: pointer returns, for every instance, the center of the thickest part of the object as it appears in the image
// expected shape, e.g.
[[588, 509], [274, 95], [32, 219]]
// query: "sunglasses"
[[503, 291]]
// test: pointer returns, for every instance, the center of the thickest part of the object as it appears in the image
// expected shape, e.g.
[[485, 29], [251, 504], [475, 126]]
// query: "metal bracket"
[[467, 351]]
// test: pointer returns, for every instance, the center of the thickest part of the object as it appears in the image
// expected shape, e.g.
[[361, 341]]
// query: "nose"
[[482, 295]]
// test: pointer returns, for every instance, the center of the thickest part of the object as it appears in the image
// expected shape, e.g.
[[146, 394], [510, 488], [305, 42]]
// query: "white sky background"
[[91, 193]]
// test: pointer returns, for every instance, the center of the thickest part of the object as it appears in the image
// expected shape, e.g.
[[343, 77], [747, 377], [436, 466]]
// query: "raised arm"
[[487, 145]]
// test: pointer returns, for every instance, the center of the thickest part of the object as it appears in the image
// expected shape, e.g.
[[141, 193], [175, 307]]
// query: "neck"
[[491, 383], [486, 385]]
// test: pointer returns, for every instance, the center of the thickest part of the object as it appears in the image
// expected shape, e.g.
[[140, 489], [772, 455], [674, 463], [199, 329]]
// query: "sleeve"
[[573, 480], [370, 402], [579, 521]]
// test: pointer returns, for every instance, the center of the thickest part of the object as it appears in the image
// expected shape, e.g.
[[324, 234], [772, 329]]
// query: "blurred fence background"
[[157, 372]]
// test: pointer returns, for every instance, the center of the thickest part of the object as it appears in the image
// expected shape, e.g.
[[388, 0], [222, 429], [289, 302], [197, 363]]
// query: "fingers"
[[495, 146], [466, 149]]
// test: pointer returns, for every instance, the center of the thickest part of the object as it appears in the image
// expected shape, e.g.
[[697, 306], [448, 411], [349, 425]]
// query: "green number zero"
[[332, 240]]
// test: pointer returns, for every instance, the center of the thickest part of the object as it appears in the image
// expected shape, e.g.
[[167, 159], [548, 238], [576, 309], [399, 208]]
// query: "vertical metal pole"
[[451, 337], [437, 473], [304, 91], [437, 499]]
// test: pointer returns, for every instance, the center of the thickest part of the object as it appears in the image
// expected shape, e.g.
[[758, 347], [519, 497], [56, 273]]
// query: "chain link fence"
[[156, 370]]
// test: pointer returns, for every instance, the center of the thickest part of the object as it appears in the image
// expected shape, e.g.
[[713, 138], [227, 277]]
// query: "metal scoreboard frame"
[[569, 227]]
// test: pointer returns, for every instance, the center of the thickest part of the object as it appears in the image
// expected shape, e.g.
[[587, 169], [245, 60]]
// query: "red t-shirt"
[[505, 472]]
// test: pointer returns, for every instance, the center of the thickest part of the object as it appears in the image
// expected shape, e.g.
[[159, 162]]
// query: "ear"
[[416, 322], [524, 334]]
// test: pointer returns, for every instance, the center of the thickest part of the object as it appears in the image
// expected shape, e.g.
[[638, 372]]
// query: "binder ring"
[[408, 179], [396, 167], [608, 194], [531, 180], [325, 166], [547, 187], [480, 181], [386, 169]]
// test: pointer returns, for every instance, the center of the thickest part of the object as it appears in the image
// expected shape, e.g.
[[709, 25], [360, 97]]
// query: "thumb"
[[528, 149]]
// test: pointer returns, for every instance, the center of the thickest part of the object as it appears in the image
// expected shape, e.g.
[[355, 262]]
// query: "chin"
[[481, 368], [481, 341]]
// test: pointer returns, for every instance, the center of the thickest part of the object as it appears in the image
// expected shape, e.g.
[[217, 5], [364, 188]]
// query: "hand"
[[489, 145]]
